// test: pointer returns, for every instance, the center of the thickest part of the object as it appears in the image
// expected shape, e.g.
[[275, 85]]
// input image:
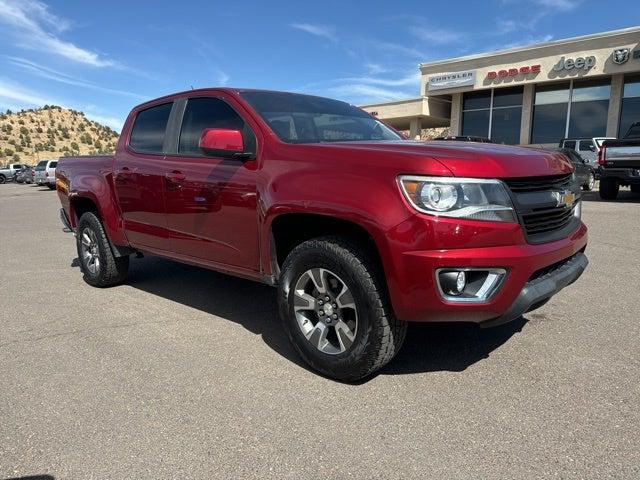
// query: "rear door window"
[[570, 144], [149, 127], [53, 164]]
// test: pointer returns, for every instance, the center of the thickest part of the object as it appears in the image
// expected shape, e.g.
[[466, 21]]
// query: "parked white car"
[[46, 173], [9, 172]]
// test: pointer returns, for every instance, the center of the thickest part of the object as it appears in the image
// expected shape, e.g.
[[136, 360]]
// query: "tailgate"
[[622, 154]]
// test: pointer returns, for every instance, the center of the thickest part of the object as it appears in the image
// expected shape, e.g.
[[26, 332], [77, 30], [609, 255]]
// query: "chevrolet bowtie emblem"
[[564, 198]]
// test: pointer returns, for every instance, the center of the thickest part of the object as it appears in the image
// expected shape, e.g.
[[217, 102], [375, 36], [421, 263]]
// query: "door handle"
[[176, 176]]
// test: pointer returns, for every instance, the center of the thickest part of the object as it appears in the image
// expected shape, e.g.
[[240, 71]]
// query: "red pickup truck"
[[361, 230]]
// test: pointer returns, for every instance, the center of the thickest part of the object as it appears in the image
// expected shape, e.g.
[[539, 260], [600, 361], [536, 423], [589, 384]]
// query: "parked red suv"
[[360, 230]]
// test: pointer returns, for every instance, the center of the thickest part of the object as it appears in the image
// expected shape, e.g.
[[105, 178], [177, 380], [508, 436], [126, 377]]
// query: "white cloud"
[[359, 93], [561, 5], [317, 30], [35, 27], [374, 68], [435, 35], [398, 49], [523, 42], [530, 21], [222, 78], [57, 76], [368, 88]]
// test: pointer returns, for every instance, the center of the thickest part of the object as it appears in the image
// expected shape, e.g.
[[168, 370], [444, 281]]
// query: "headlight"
[[472, 198]]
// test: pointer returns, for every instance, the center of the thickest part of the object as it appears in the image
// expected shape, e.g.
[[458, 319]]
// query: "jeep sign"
[[579, 63]]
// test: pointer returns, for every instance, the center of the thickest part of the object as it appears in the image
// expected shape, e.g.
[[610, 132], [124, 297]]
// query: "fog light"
[[469, 284], [461, 282]]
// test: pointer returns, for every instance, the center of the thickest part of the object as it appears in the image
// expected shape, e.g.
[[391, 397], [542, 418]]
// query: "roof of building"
[[535, 46]]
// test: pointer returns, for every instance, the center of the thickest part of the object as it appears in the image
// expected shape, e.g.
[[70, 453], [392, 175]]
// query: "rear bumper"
[[626, 175], [415, 295]]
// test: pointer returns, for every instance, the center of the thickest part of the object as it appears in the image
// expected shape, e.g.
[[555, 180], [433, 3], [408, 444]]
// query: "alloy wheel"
[[89, 251], [325, 311]]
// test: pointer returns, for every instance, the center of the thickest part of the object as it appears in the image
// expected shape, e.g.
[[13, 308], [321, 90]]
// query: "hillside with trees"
[[50, 132]]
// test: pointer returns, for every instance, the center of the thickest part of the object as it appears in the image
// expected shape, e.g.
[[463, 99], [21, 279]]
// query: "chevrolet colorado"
[[360, 230]]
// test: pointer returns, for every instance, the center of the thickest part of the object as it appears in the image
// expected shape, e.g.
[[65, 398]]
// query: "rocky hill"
[[50, 132]]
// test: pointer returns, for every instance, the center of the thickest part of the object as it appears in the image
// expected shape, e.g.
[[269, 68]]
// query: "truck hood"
[[462, 159]]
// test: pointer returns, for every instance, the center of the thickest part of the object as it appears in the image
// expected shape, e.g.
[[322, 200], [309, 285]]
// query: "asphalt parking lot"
[[185, 373]]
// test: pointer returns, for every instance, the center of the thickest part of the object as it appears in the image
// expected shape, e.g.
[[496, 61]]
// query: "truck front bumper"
[[534, 273], [539, 290]]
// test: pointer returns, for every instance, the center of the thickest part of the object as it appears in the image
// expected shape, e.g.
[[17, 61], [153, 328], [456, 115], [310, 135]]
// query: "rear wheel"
[[100, 267], [635, 188], [335, 309], [3, 179], [51, 186], [609, 188]]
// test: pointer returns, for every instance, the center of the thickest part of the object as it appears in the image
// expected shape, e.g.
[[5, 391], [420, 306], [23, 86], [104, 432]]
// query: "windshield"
[[307, 119], [41, 165]]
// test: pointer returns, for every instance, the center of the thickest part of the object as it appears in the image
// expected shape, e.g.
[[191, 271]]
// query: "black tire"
[[609, 188], [635, 188], [379, 335], [51, 187], [112, 270], [587, 187], [3, 179]]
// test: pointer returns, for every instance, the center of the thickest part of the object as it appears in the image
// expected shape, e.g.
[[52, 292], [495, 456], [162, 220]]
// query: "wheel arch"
[[290, 229]]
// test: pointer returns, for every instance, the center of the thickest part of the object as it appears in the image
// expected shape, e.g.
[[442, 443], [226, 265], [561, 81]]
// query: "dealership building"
[[578, 87]]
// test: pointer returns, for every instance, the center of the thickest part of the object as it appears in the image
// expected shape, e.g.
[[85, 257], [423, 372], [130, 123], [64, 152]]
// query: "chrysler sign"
[[452, 80]]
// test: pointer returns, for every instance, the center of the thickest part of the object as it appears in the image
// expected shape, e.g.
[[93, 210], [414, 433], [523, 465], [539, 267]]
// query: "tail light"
[[46, 174], [601, 154]]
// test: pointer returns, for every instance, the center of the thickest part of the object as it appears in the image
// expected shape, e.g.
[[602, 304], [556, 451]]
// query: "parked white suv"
[[587, 148], [46, 173]]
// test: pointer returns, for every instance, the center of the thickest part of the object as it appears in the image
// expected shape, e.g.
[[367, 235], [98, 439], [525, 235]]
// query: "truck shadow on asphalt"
[[428, 347]]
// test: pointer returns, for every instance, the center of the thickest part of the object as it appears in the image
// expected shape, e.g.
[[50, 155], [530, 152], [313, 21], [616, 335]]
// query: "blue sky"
[[105, 57]]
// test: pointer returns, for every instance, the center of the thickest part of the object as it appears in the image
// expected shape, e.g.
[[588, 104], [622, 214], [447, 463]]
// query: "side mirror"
[[222, 142]]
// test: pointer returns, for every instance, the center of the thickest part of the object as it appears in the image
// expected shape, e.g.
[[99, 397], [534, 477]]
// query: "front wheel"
[[100, 267], [588, 186], [3, 179], [335, 309]]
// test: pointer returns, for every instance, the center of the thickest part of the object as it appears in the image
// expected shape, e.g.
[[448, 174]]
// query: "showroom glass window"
[[630, 111], [589, 108], [570, 109], [494, 114]]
